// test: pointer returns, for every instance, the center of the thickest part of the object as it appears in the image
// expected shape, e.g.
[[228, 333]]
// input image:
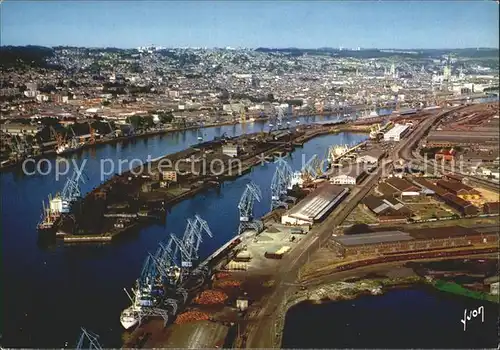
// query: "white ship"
[[132, 315], [129, 317], [66, 148]]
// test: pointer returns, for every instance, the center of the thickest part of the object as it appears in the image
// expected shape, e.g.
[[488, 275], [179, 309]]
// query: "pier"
[[126, 200], [336, 158]]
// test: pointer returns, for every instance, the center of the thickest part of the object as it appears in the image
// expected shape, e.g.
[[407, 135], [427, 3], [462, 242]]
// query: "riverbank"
[[148, 134], [118, 263], [403, 317]]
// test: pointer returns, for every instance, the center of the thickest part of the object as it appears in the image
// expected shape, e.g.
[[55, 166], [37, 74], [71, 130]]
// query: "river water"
[[49, 293], [417, 317]]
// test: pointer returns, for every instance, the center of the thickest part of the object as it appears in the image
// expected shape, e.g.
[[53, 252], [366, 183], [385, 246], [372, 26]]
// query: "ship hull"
[[45, 230]]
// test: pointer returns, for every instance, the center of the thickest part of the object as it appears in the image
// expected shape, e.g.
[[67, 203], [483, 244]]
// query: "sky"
[[252, 24]]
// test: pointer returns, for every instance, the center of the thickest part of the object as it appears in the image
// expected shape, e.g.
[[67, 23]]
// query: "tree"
[[135, 121], [166, 117], [270, 97]]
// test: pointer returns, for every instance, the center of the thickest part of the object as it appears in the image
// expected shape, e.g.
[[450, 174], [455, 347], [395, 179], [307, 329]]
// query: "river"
[[49, 293], [416, 317]]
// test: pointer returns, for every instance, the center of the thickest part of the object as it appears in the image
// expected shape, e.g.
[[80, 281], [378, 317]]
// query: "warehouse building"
[[386, 190], [372, 156], [16, 129], [457, 188], [491, 208], [231, 150], [403, 187], [350, 175], [463, 206], [397, 132], [449, 138], [393, 242], [387, 209], [315, 206], [429, 186]]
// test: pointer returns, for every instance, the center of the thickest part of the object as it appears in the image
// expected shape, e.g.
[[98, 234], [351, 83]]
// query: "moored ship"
[[49, 216]]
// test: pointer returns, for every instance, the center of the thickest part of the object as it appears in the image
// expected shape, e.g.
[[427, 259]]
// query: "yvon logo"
[[472, 314]]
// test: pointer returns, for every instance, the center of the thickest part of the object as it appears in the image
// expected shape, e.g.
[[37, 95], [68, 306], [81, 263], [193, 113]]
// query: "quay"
[[128, 200]]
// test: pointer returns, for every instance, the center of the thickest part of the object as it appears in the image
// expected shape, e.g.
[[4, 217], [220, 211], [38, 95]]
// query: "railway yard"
[[326, 231], [376, 203]]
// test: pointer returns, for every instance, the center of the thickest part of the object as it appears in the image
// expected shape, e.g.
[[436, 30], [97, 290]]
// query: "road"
[[263, 334]]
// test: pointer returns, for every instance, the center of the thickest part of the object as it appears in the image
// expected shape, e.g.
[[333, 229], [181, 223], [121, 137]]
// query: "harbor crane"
[[173, 259], [71, 191], [280, 116], [88, 340], [313, 169], [148, 274], [281, 181], [111, 129], [73, 141], [193, 235], [252, 192], [189, 244], [276, 118]]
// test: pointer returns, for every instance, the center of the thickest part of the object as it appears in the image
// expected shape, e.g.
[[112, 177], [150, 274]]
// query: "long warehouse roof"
[[374, 237], [398, 129], [315, 204]]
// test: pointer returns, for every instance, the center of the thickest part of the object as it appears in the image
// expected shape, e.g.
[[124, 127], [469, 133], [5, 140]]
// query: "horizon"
[[259, 47], [276, 25]]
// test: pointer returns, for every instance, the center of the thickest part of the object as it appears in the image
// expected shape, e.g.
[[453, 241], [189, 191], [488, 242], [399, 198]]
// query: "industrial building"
[[397, 132], [387, 209], [350, 175], [315, 206], [372, 156], [231, 150], [449, 138], [457, 188], [393, 242], [16, 129], [463, 206], [491, 208], [403, 187]]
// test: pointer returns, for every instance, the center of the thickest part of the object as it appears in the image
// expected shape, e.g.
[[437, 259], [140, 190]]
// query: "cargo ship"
[[48, 218], [66, 148], [153, 295], [50, 213], [454, 288]]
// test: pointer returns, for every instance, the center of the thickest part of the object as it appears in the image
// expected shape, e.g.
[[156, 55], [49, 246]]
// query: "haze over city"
[[127, 24]]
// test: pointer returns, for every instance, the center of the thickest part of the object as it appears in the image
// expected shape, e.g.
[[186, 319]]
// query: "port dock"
[[132, 199]]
